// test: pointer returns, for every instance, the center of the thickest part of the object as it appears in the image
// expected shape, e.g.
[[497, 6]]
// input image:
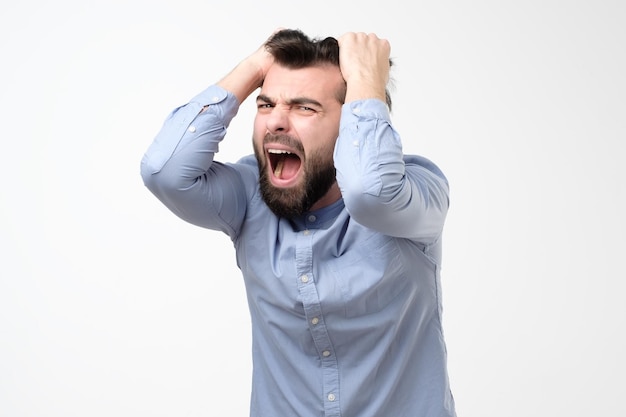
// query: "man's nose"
[[278, 120]]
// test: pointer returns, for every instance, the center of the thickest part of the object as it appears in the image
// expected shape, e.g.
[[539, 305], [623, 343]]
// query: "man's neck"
[[329, 198]]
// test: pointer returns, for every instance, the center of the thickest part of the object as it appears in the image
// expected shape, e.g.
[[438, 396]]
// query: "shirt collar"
[[318, 219]]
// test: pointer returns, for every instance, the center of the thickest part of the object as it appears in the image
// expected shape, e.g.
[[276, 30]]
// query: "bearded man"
[[337, 232]]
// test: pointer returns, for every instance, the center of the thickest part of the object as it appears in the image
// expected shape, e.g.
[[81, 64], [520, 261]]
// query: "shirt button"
[[192, 129], [306, 233], [355, 143], [215, 99], [315, 320], [304, 278], [331, 397], [312, 218], [326, 353]]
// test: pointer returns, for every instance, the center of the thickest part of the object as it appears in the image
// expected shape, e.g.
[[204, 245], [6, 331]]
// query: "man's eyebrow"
[[304, 100], [263, 97], [291, 102]]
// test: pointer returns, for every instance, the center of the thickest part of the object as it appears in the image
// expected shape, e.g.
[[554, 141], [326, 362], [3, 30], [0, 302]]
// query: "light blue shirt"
[[345, 301]]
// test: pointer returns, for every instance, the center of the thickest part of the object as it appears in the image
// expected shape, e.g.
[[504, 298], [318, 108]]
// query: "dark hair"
[[293, 49]]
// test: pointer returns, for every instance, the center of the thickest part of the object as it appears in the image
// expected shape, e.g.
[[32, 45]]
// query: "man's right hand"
[[249, 74]]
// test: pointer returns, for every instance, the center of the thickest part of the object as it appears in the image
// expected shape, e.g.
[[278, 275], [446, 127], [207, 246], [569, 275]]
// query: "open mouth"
[[284, 164]]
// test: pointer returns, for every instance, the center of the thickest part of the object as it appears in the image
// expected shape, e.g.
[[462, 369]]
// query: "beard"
[[317, 177]]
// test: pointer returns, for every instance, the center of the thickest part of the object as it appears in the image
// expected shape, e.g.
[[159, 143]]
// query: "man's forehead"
[[283, 83]]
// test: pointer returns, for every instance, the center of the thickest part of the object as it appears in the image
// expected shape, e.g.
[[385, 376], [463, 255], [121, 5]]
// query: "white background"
[[112, 306]]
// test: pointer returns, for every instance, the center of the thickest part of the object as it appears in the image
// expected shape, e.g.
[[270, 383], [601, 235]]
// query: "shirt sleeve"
[[178, 167], [399, 195]]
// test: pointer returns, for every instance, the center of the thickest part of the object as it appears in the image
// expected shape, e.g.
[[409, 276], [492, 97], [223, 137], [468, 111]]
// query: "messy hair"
[[293, 49]]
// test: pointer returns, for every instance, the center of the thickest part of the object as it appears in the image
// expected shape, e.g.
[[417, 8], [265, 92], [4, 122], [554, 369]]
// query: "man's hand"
[[249, 74], [364, 64]]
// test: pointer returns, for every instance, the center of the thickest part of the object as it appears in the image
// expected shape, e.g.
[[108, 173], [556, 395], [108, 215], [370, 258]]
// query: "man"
[[337, 233]]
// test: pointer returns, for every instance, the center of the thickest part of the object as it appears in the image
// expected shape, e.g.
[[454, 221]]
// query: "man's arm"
[[248, 75], [178, 167], [382, 189]]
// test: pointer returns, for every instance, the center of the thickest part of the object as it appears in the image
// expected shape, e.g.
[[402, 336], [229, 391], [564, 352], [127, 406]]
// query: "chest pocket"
[[369, 275]]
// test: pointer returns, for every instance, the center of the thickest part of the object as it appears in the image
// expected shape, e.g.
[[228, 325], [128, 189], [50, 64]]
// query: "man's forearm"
[[382, 188], [175, 166], [248, 75]]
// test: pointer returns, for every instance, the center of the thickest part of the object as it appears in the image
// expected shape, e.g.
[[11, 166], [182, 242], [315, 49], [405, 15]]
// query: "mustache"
[[284, 140]]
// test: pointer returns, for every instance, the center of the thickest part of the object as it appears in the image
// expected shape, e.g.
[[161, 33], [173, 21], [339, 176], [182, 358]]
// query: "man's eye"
[[307, 109], [264, 106]]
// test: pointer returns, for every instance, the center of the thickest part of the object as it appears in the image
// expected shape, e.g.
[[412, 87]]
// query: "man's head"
[[297, 123]]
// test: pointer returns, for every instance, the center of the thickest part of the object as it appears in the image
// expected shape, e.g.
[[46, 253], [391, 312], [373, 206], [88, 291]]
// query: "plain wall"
[[112, 306]]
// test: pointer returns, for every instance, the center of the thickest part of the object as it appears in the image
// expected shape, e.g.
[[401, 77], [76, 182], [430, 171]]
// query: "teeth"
[[278, 151], [279, 168]]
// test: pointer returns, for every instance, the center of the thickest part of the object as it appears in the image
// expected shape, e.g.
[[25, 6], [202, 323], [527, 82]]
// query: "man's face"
[[295, 130]]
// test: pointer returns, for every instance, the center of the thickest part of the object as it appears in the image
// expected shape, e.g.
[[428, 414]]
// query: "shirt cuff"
[[365, 109], [214, 95], [186, 123]]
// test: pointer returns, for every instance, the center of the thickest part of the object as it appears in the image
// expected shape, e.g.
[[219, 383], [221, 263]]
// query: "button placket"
[[313, 312]]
